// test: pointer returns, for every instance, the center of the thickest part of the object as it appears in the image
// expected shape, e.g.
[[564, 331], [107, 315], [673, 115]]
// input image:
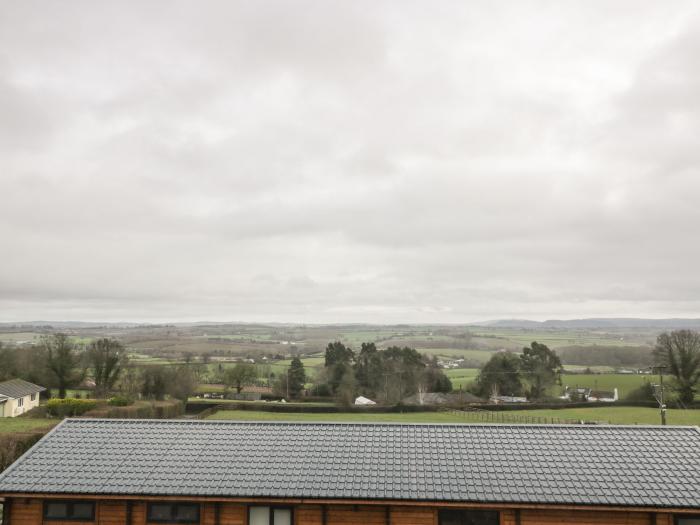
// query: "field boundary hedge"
[[13, 445], [140, 410]]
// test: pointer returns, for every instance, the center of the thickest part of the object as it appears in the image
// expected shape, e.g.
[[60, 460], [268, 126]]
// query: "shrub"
[[141, 410], [69, 407], [14, 445], [120, 401], [644, 392]]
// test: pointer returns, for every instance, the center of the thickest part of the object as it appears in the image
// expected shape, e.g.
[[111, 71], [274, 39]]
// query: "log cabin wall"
[[29, 511]]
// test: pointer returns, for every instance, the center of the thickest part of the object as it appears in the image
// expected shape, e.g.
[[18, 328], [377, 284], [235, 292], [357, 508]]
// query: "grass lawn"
[[228, 401], [416, 417], [621, 415], [24, 424], [613, 415]]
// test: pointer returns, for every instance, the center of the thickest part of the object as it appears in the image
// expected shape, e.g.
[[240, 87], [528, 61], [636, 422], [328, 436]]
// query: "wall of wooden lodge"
[[29, 511]]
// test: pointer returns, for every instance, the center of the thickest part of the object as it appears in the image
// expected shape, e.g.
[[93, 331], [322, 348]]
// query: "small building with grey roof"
[[18, 396]]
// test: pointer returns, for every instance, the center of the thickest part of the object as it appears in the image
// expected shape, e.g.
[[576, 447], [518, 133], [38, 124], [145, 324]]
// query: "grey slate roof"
[[589, 465], [16, 388]]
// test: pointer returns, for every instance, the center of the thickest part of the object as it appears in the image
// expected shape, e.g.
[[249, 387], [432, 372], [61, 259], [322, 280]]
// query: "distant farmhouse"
[[141, 472], [18, 396], [589, 394]]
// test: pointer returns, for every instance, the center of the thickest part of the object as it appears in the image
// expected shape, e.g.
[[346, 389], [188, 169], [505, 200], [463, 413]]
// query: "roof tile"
[[596, 465]]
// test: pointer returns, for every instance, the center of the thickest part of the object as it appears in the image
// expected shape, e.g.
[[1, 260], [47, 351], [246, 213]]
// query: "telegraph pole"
[[663, 405], [660, 396]]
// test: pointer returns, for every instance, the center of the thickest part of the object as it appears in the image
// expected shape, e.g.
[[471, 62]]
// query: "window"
[[269, 515], [20, 402], [469, 517], [173, 512], [69, 510], [687, 520], [33, 397]]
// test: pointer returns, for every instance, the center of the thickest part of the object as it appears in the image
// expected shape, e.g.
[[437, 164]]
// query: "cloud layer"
[[323, 161]]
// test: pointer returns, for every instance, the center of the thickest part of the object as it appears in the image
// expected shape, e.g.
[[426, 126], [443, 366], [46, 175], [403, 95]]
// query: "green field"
[[557, 338], [24, 424], [417, 417], [612, 415], [461, 377], [620, 415], [480, 356], [624, 383]]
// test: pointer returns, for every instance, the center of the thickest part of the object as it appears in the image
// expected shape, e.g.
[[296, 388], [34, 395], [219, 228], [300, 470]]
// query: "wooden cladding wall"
[[29, 511], [583, 517]]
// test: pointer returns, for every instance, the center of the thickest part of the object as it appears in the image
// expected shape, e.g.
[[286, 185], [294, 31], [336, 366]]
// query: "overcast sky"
[[349, 161]]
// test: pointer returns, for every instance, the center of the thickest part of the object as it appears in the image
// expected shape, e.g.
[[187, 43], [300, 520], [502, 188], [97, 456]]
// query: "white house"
[[17, 396]]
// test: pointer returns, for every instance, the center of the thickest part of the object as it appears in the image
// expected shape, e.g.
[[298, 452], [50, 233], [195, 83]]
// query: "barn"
[[140, 472]]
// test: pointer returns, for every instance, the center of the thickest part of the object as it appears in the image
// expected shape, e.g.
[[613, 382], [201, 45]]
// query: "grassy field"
[[612, 415], [624, 383], [480, 356], [621, 415], [558, 338], [418, 417], [24, 424], [461, 377]]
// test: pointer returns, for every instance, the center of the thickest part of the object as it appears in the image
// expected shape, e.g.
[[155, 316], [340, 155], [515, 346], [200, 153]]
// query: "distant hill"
[[595, 322]]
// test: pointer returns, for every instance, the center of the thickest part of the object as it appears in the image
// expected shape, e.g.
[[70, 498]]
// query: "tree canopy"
[[388, 375], [64, 362], [541, 368], [107, 358], [241, 375], [501, 375], [679, 351]]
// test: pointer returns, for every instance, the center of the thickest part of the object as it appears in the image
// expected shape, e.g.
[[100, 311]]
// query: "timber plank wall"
[[29, 511]]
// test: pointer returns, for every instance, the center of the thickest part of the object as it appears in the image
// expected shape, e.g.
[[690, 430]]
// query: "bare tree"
[[239, 376], [63, 362], [679, 352], [107, 358]]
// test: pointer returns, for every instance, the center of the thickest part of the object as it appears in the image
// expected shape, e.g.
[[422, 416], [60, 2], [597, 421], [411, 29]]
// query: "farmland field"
[[559, 338], [461, 377], [480, 356], [612, 415], [624, 383]]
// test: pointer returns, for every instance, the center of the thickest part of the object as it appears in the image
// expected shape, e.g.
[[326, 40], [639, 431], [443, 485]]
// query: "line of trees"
[[387, 375], [58, 362]]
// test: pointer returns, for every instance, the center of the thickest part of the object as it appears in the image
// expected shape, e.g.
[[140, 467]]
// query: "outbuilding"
[[18, 396]]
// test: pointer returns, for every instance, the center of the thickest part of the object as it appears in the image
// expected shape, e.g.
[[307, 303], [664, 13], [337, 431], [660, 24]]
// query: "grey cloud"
[[348, 161]]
